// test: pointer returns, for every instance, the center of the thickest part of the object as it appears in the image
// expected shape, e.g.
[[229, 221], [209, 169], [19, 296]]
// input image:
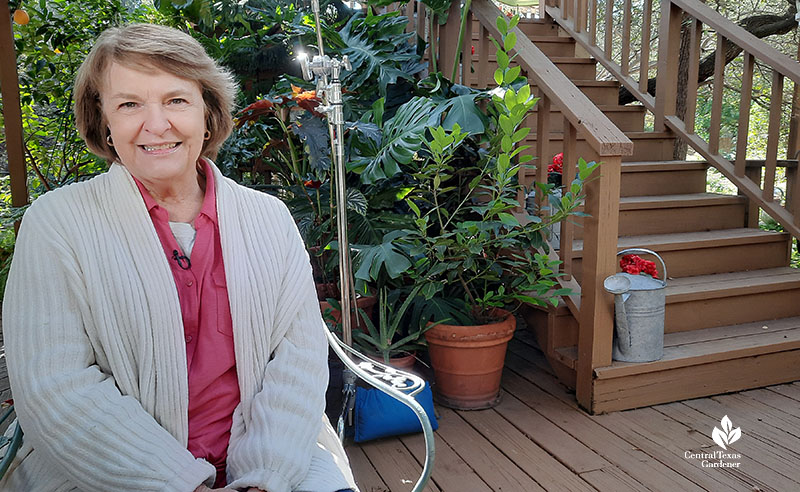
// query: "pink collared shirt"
[[207, 326]]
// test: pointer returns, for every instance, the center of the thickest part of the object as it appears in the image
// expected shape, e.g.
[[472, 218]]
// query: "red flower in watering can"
[[635, 265]]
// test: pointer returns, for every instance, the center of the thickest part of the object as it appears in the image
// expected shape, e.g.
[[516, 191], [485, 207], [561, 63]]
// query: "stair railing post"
[[596, 323], [668, 56]]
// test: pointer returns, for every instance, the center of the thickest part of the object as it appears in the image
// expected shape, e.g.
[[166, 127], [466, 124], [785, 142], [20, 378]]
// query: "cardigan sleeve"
[[71, 411], [277, 450]]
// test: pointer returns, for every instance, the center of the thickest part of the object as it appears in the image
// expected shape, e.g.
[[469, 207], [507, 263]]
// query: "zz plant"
[[471, 252]]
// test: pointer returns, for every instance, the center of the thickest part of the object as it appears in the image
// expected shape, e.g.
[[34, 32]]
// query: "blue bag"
[[379, 415]]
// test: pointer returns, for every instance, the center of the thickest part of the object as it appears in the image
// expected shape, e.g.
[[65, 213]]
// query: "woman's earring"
[[206, 135], [109, 141]]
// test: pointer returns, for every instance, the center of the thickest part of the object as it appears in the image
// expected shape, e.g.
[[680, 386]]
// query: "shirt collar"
[[209, 207]]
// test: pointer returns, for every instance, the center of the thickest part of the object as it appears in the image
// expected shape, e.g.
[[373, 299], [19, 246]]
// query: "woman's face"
[[157, 122]]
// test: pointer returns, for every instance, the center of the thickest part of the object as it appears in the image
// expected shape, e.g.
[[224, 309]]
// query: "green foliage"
[[388, 339], [469, 252]]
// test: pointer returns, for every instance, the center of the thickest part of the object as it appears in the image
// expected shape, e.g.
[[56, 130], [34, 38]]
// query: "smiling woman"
[[172, 340]]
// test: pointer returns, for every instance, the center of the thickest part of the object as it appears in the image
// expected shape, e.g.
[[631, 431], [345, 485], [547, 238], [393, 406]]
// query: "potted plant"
[[473, 258], [387, 341]]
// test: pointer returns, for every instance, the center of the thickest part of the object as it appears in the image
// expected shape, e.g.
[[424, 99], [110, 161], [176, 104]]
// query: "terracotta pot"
[[326, 290], [366, 303], [403, 362], [468, 361]]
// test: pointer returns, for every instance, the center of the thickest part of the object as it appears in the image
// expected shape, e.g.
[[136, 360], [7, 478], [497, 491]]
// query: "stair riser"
[[711, 260], [734, 309], [683, 383], [600, 95], [644, 149], [655, 183], [677, 219], [627, 121], [529, 28], [575, 71]]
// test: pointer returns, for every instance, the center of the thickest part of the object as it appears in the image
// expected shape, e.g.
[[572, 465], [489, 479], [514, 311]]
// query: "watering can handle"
[[648, 252]]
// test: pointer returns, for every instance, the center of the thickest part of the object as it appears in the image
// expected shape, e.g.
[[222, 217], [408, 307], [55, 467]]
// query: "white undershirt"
[[185, 234]]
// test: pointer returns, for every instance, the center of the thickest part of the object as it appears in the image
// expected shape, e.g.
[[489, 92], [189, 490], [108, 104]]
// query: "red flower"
[[558, 164], [312, 183], [473, 49], [254, 111], [635, 265]]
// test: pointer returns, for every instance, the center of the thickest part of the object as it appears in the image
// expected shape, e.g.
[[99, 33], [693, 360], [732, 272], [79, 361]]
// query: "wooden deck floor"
[[537, 439]]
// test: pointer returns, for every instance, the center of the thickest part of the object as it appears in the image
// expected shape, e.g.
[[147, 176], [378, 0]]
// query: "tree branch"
[[760, 26]]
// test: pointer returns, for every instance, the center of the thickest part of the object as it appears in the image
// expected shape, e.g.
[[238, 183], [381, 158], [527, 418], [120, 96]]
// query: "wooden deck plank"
[[666, 440], [535, 461], [450, 472], [562, 411], [568, 450], [612, 479], [762, 475], [395, 464], [791, 390], [367, 479], [774, 405], [781, 445], [496, 469]]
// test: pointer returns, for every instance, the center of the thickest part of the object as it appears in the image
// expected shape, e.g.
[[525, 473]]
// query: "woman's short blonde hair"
[[152, 46]]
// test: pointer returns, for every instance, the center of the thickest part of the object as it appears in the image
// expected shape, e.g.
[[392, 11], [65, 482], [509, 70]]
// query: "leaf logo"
[[728, 435]]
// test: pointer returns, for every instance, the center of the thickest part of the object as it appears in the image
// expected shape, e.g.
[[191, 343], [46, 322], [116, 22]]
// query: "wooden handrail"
[[740, 37], [601, 134]]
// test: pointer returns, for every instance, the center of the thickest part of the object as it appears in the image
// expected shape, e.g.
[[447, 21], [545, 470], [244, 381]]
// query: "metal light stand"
[[399, 384]]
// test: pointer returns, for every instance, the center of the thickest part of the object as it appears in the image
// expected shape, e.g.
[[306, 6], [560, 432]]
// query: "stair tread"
[[679, 200], [552, 39], [643, 166], [692, 240], [615, 108], [732, 283], [573, 59], [708, 345]]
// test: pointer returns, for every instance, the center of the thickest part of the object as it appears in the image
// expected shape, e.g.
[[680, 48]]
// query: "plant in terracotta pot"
[[387, 340], [473, 258]]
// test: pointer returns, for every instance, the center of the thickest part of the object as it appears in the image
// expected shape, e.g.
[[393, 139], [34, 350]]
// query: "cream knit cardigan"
[[97, 358]]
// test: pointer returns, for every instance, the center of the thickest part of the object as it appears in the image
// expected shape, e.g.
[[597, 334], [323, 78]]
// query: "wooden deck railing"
[[591, 305], [615, 56]]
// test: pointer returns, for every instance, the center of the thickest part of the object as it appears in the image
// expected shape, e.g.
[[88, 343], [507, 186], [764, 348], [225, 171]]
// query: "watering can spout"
[[619, 285]]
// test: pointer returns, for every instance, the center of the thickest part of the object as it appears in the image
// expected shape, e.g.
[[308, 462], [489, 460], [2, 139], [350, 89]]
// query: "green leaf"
[[500, 22], [510, 41], [508, 219], [502, 59], [464, 113], [498, 76], [512, 23], [520, 134], [511, 75], [413, 206]]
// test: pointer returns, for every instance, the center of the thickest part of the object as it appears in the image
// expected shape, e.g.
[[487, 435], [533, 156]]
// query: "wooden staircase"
[[732, 304]]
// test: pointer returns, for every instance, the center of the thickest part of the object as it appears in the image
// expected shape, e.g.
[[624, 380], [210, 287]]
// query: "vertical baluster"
[[694, 67], [716, 101], [609, 28], [466, 52], [484, 77], [644, 65], [626, 38], [668, 53], [581, 16], [773, 134], [410, 16], [752, 210], [743, 129], [567, 226], [564, 8], [593, 22], [542, 141]]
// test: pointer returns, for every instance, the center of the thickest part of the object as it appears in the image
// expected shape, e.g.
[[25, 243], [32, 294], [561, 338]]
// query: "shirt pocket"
[[224, 321]]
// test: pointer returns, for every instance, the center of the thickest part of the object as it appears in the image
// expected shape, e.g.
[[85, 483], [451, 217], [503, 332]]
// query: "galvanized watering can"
[[639, 310]]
